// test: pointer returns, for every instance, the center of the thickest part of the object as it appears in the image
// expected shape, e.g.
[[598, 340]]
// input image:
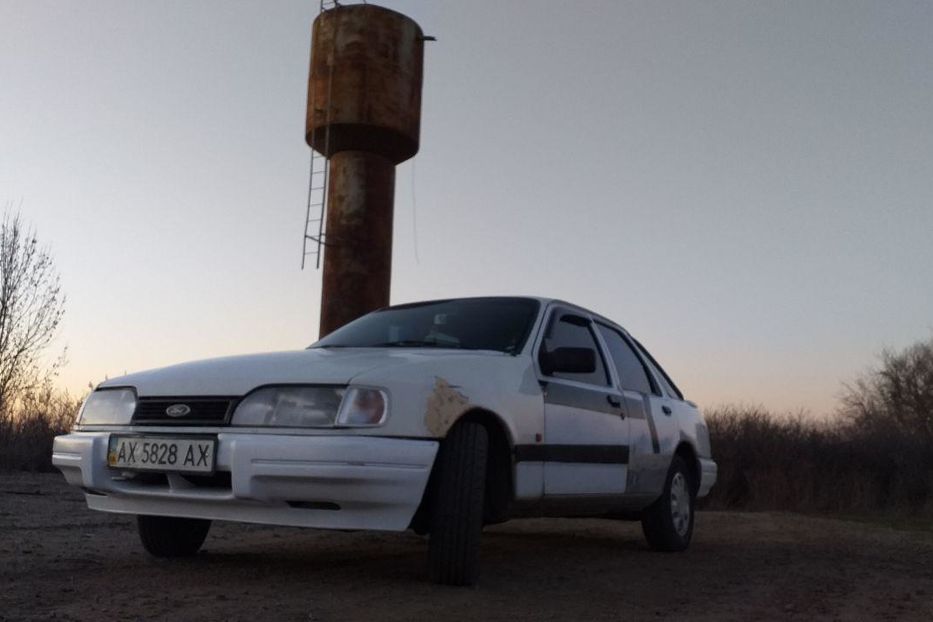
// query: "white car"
[[437, 416]]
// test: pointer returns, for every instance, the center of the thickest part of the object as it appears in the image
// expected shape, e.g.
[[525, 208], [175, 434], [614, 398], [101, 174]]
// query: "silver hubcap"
[[680, 504]]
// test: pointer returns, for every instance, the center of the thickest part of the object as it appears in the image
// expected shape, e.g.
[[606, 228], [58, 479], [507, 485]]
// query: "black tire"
[[169, 536], [664, 523], [457, 506]]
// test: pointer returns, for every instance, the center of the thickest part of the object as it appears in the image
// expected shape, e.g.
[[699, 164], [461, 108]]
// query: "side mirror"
[[569, 361]]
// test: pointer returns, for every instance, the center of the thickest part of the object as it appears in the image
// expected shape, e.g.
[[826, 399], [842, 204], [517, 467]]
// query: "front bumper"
[[332, 482]]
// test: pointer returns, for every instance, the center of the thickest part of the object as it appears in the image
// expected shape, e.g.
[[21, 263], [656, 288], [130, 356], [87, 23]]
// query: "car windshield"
[[501, 324]]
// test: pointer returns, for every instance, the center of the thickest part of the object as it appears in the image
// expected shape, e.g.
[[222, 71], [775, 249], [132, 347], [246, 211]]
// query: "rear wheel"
[[457, 507], [668, 523], [170, 536]]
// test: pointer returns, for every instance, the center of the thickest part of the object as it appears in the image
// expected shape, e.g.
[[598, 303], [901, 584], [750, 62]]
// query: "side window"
[[568, 331], [669, 387], [631, 371]]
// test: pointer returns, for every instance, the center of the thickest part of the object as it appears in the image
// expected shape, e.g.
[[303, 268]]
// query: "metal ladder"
[[319, 174]]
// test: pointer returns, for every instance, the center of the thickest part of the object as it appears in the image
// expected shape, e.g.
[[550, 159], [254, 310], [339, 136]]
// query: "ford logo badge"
[[177, 410]]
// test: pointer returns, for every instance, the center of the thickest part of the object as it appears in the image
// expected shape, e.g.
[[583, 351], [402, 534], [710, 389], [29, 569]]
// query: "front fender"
[[428, 397]]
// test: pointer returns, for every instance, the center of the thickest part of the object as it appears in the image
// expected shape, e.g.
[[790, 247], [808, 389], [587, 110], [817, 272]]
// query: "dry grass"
[[771, 462], [28, 428]]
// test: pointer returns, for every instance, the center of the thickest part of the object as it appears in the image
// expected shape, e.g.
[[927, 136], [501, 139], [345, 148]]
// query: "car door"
[[664, 403], [585, 448], [647, 466]]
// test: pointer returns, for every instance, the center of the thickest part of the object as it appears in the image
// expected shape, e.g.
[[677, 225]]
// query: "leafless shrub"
[[875, 454]]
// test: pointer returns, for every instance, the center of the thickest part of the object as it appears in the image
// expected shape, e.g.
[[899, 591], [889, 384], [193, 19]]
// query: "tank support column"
[[358, 257]]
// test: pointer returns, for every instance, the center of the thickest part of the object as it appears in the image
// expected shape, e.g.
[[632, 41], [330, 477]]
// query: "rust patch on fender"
[[444, 406]]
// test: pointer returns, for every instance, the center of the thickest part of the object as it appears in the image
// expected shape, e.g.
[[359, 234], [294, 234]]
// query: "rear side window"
[[632, 373], [669, 387], [569, 331]]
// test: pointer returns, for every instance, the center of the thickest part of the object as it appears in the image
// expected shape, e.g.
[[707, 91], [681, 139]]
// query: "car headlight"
[[108, 407], [312, 407]]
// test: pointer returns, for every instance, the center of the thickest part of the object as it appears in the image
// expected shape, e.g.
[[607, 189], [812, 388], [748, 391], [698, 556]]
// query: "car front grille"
[[200, 411]]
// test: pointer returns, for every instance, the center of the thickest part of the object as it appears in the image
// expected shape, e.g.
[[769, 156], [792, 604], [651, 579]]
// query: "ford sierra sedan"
[[440, 416]]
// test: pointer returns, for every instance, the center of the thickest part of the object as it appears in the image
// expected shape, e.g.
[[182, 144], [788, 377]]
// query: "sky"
[[746, 187]]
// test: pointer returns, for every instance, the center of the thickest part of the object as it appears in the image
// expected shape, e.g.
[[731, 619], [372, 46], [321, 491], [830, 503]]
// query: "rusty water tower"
[[364, 116]]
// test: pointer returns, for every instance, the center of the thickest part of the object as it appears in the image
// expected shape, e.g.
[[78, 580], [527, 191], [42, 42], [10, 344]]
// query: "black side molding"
[[589, 454]]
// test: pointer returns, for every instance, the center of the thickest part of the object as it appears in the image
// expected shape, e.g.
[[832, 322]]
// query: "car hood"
[[238, 375]]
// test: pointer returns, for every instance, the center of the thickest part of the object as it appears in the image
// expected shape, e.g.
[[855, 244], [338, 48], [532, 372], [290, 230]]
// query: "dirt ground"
[[60, 561]]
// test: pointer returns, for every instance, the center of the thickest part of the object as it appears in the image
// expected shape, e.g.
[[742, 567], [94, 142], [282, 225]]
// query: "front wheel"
[[170, 536], [457, 507], [668, 523]]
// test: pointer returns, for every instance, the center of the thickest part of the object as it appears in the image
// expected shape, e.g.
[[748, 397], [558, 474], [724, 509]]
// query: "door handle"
[[666, 410], [615, 402]]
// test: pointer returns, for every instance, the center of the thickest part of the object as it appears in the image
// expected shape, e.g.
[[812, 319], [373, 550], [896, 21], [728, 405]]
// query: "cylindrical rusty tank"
[[365, 82], [364, 113]]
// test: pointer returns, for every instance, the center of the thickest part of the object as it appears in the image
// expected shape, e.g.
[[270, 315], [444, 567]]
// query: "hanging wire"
[[414, 214]]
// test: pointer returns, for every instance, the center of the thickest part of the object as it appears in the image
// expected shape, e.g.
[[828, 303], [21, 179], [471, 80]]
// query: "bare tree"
[[31, 308], [897, 396]]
